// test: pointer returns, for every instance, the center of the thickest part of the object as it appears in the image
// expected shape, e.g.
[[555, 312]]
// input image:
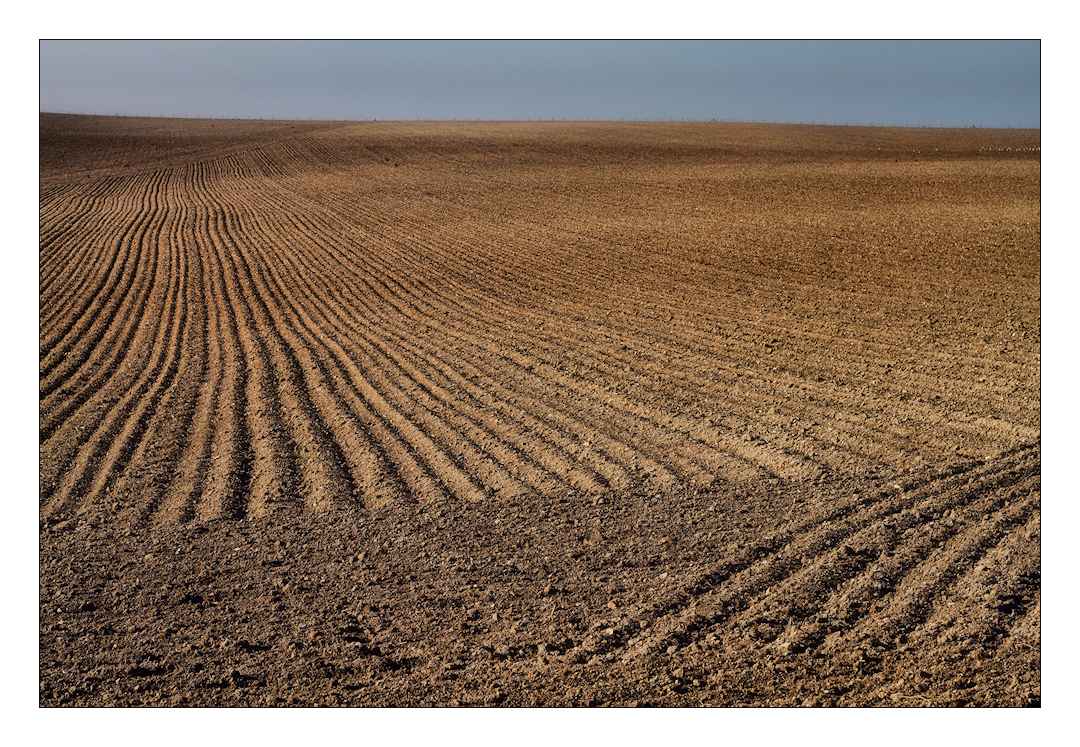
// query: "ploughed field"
[[538, 414]]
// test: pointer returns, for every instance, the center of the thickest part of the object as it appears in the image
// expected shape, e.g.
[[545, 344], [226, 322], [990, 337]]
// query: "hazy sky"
[[939, 83]]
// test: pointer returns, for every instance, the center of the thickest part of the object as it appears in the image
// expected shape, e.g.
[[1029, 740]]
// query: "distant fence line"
[[587, 119]]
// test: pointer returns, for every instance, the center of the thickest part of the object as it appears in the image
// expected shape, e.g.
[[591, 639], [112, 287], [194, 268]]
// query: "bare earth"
[[538, 414]]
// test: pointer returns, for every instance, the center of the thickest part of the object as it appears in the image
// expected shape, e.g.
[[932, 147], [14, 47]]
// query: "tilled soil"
[[538, 414]]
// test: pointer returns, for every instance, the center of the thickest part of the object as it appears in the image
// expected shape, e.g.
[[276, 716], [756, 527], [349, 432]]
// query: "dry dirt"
[[538, 414]]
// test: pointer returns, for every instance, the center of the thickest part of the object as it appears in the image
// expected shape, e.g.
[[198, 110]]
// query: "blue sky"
[[939, 83]]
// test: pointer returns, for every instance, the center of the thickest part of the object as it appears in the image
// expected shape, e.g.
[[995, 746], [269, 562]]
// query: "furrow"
[[100, 462], [441, 464], [915, 597], [391, 352], [217, 480], [692, 464], [312, 421], [105, 394], [821, 560], [119, 298], [103, 362], [152, 437], [689, 465], [369, 465], [274, 482], [60, 314]]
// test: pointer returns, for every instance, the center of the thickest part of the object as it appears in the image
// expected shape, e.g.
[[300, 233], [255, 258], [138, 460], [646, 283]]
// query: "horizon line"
[[554, 120]]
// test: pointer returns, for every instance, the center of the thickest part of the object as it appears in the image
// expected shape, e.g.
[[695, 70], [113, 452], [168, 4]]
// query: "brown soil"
[[538, 414]]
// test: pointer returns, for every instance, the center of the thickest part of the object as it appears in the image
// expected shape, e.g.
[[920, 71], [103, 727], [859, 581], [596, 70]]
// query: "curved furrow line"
[[179, 428], [892, 592], [81, 270], [387, 429], [61, 212], [400, 250], [894, 597], [462, 415], [214, 473], [417, 408], [385, 350], [147, 371], [491, 411], [852, 586], [494, 311], [410, 468], [218, 488], [735, 450], [313, 423], [533, 428], [698, 437], [456, 458], [442, 245], [468, 441], [821, 410], [128, 222], [70, 208], [398, 247], [111, 264], [835, 460], [475, 274], [619, 407], [991, 593], [94, 334], [484, 393], [352, 424], [263, 165], [979, 426], [585, 443], [804, 567], [68, 427], [824, 429], [594, 459], [70, 261], [390, 403], [77, 268], [840, 458], [907, 347], [1004, 591], [485, 430], [381, 462], [420, 463], [478, 319], [689, 461], [273, 469], [103, 370], [396, 273], [213, 379], [386, 275], [645, 435], [142, 458], [66, 236], [529, 462]]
